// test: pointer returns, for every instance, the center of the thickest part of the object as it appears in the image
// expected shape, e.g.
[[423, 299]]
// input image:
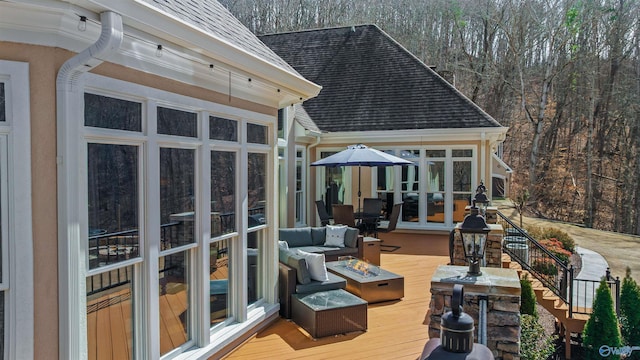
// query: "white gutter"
[[72, 337]]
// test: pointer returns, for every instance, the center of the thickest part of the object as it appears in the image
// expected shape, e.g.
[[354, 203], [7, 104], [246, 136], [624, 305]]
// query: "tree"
[[629, 314], [520, 202], [602, 327]]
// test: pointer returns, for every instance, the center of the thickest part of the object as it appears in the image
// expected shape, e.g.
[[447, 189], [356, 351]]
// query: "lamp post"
[[474, 231], [481, 199], [456, 335]]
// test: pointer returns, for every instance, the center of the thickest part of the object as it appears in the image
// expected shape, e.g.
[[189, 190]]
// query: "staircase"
[[570, 322]]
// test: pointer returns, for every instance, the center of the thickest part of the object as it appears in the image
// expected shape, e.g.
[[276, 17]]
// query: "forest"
[[563, 75]]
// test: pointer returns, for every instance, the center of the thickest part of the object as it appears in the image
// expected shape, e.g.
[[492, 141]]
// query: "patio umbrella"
[[361, 155]]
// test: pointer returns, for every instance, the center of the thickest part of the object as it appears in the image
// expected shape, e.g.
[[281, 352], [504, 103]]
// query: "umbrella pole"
[[359, 193]]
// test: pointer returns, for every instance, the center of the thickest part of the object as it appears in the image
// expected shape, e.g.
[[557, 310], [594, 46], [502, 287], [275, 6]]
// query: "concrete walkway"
[[594, 267]]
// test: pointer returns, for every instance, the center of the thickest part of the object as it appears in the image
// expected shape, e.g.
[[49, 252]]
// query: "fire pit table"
[[368, 281]]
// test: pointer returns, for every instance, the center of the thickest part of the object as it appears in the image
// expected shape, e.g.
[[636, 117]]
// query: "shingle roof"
[[370, 82], [211, 17], [303, 118]]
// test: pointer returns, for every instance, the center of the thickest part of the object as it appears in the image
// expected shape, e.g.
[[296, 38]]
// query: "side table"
[[328, 313], [371, 250]]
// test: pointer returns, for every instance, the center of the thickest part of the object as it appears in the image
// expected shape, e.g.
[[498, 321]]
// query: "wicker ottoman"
[[328, 313]]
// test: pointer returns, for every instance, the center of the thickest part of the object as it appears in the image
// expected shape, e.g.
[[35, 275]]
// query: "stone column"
[[501, 288], [493, 251]]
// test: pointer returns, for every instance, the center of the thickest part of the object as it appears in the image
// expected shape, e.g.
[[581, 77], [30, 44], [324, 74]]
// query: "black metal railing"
[[554, 273]]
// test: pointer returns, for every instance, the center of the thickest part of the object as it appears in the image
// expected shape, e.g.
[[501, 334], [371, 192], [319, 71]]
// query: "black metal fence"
[[554, 273]]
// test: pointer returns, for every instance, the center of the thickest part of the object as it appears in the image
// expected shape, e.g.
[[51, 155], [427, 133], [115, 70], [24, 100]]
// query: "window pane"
[[173, 301], [281, 124], [177, 122], [219, 280], [177, 201], [462, 176], [257, 134], [110, 314], [334, 180], [113, 203], [223, 192], [110, 113], [462, 153], [223, 129], [254, 265], [409, 187], [460, 202], [257, 174], [436, 153], [3, 114], [435, 173]]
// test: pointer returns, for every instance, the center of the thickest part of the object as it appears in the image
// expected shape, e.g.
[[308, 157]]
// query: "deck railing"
[[552, 272]]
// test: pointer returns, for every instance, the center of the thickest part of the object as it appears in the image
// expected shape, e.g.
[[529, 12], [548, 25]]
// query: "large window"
[[434, 191], [16, 257], [174, 253]]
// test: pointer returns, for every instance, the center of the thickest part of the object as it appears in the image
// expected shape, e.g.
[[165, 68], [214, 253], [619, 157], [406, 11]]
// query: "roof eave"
[[493, 134], [148, 19]]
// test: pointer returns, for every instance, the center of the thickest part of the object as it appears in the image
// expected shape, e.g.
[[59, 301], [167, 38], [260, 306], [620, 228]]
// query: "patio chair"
[[343, 214], [370, 216], [393, 221], [325, 219]]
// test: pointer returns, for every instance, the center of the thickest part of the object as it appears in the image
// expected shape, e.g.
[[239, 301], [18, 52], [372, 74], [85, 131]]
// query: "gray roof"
[[370, 82], [303, 118], [213, 18]]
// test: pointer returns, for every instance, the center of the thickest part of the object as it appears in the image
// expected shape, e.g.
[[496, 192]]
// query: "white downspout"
[[71, 267]]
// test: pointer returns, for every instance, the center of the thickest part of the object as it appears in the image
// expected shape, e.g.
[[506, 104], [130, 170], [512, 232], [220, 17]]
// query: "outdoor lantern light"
[[474, 231], [481, 199], [456, 335]]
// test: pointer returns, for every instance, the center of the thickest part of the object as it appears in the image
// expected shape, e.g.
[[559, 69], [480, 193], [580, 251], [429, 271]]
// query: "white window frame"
[[300, 208], [17, 262], [206, 340], [448, 190]]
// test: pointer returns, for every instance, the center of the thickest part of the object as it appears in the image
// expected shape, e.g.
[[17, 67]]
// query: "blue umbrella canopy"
[[361, 155]]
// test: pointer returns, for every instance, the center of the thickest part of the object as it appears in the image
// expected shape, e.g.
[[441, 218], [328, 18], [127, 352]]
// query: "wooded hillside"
[[563, 75]]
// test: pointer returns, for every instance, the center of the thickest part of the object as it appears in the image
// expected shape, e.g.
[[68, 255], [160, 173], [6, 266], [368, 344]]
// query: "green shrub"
[[541, 233], [527, 298], [602, 326], [629, 314], [534, 343], [545, 267]]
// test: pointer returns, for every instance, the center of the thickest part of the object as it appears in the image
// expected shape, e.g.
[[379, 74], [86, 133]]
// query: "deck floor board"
[[396, 329]]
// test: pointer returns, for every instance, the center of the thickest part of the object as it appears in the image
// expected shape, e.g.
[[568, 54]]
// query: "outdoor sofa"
[[294, 276]]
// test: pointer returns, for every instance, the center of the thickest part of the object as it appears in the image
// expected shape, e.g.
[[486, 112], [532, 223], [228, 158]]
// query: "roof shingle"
[[370, 82], [210, 16]]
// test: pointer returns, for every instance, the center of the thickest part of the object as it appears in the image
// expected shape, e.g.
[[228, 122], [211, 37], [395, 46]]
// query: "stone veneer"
[[502, 289], [493, 250]]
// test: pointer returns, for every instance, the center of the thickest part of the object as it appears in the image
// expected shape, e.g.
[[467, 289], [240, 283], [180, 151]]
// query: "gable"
[[370, 82]]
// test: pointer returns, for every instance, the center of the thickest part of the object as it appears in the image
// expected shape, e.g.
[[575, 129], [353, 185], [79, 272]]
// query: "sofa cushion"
[[316, 249], [316, 265], [351, 237], [335, 235], [333, 282], [296, 236], [334, 253], [296, 262], [318, 235]]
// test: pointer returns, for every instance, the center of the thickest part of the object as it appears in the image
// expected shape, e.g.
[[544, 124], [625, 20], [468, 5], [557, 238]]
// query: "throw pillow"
[[317, 267], [335, 235], [283, 244]]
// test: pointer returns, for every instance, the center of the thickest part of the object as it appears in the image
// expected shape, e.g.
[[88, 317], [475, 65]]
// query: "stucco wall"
[[44, 63]]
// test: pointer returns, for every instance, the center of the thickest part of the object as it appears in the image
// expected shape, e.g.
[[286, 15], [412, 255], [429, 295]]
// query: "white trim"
[[495, 134], [55, 23], [19, 315]]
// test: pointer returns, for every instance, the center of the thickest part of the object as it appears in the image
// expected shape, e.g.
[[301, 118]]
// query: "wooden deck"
[[396, 329]]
